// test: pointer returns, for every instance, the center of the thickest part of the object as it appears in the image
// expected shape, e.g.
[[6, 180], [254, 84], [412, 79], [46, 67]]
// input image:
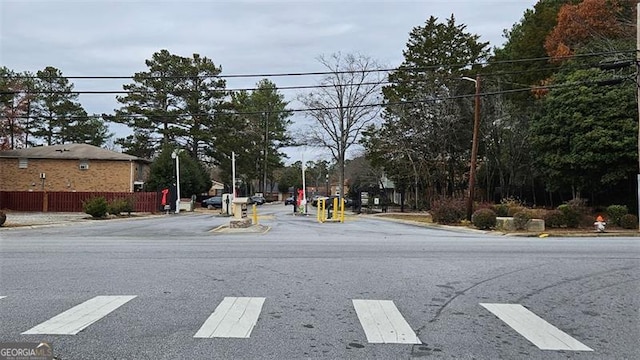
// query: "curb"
[[461, 229], [458, 229]]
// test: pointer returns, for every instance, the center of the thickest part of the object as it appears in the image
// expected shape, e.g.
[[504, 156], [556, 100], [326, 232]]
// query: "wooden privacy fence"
[[63, 201]]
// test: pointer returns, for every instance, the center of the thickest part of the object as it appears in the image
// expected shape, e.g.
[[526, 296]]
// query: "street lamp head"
[[469, 79], [175, 153]]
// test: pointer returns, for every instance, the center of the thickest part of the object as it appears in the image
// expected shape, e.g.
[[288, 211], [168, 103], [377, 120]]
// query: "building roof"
[[69, 152]]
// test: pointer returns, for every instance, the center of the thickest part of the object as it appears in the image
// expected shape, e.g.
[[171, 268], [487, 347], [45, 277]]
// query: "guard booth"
[[240, 219], [227, 204], [331, 212]]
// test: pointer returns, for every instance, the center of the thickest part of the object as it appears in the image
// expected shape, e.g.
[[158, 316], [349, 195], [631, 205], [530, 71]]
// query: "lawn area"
[[587, 230], [421, 217]]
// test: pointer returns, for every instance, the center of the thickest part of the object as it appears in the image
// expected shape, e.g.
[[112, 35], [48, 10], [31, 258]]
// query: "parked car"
[[289, 201], [314, 200], [212, 202], [257, 200]]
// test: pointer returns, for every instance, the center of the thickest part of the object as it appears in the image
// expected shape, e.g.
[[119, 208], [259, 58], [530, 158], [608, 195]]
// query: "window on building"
[[23, 163]]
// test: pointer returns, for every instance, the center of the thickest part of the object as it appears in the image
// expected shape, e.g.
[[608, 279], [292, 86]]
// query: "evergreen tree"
[[89, 129], [427, 128], [193, 177], [15, 104], [585, 136], [263, 117], [55, 108], [175, 101]]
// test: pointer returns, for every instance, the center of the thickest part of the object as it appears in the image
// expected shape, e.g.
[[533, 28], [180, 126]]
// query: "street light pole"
[[304, 186], [474, 146], [175, 155], [233, 173], [326, 179]]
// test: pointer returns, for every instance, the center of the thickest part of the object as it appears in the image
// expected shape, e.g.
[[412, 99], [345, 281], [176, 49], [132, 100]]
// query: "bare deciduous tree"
[[344, 104]]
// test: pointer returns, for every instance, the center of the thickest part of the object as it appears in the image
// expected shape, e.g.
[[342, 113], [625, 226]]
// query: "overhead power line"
[[316, 73], [293, 87], [393, 104]]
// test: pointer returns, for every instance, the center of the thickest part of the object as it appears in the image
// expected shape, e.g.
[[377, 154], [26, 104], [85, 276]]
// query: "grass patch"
[[423, 218]]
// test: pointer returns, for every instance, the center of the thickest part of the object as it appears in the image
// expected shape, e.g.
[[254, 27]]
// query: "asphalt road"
[[308, 276]]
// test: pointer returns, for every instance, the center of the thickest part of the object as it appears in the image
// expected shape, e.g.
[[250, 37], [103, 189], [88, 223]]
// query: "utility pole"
[[474, 146], [638, 94], [266, 151]]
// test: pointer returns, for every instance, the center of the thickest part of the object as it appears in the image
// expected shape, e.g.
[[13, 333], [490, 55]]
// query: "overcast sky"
[[114, 38]]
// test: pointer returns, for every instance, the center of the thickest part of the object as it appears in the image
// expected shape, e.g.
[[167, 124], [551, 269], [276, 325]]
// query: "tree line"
[[558, 118], [562, 124]]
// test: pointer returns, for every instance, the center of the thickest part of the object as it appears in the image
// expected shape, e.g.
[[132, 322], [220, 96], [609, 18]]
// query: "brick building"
[[71, 167]]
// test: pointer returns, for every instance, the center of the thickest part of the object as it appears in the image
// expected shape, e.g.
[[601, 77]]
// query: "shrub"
[[572, 214], [484, 219], [448, 211], [501, 210], [615, 212], [554, 219], [537, 213], [118, 206], [629, 221], [579, 204], [513, 205], [3, 218], [515, 209], [96, 207], [520, 219], [113, 207]]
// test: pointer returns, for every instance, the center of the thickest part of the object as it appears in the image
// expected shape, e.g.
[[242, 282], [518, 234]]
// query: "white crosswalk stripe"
[[383, 323], [535, 329], [235, 317], [79, 317]]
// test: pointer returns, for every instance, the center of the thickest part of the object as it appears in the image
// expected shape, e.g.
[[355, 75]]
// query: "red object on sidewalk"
[[300, 195], [164, 196]]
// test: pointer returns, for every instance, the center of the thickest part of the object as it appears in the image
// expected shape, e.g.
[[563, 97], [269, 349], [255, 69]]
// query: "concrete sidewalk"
[[20, 219]]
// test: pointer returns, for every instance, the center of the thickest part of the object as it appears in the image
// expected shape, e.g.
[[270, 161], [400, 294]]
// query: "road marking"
[[235, 317], [383, 323], [535, 329], [79, 317]]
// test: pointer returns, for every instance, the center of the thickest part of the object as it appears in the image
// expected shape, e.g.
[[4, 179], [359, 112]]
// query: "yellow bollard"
[[255, 214], [321, 208]]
